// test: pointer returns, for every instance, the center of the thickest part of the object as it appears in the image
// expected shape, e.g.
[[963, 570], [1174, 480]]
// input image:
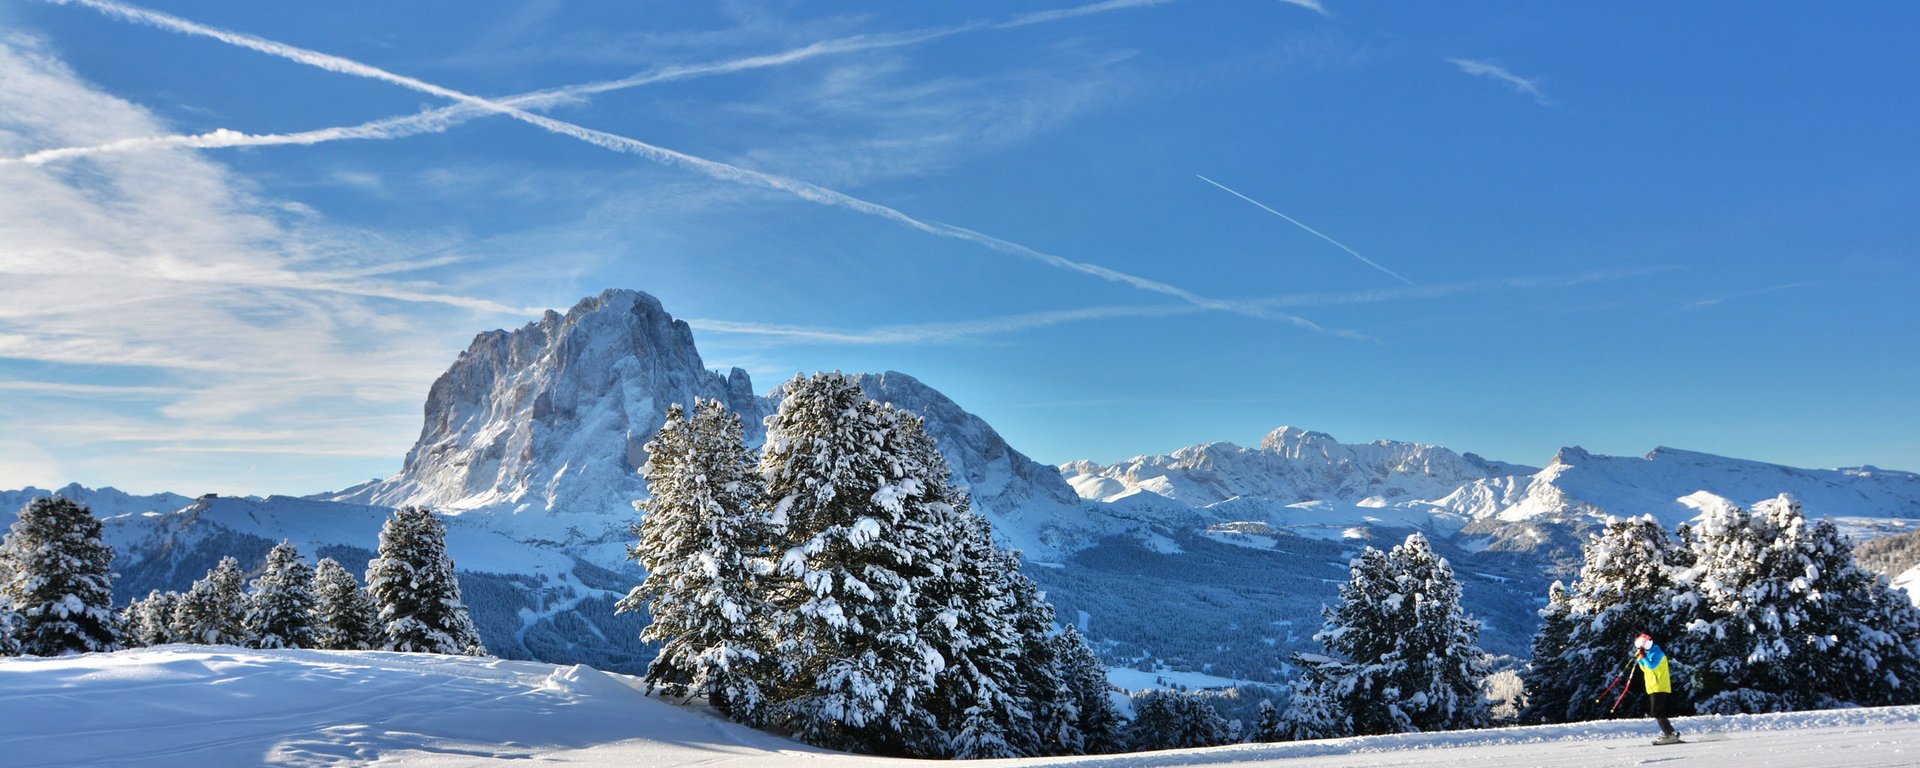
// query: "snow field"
[[221, 706]]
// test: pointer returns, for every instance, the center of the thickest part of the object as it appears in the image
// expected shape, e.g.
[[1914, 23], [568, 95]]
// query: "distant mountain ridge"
[[1214, 558]]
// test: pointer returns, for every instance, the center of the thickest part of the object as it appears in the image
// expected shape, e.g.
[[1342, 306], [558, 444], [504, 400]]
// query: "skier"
[[1653, 667]]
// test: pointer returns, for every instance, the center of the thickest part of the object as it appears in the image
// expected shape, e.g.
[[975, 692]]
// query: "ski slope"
[[221, 706]]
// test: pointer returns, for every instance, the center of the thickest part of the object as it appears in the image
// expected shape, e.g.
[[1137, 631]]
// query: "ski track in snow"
[[223, 706]]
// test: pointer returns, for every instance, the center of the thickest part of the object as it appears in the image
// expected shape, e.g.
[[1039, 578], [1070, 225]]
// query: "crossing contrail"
[[711, 168], [1316, 233], [440, 119]]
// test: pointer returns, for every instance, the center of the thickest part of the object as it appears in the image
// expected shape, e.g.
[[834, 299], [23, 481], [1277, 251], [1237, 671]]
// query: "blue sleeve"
[[1652, 658]]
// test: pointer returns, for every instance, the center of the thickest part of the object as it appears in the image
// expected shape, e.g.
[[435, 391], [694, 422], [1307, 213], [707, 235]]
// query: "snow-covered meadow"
[[223, 706]]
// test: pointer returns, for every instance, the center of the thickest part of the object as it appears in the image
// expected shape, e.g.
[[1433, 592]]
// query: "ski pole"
[[1615, 681], [1624, 688]]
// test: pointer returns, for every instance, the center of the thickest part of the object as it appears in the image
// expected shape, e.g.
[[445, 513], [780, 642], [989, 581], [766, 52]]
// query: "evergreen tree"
[[1269, 727], [280, 607], [1098, 722], [700, 544], [413, 585], [149, 621], [849, 506], [59, 579], [1174, 720], [214, 610], [1550, 690], [1790, 621], [1413, 656], [343, 614], [10, 622], [1626, 587]]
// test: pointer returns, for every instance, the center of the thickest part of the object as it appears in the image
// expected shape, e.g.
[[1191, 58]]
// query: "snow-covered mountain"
[[1312, 484], [1297, 480], [1215, 558]]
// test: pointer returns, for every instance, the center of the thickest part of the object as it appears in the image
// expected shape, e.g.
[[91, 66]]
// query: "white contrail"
[[1316, 233], [440, 119], [710, 168], [1528, 86]]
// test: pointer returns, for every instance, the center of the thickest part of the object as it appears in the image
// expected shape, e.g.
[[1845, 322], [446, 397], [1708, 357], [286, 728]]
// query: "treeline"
[[56, 588]]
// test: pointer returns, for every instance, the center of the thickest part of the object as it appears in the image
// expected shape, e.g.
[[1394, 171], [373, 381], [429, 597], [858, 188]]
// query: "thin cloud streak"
[[1526, 86], [1314, 232], [929, 333], [711, 168], [440, 119], [973, 330], [1708, 302]]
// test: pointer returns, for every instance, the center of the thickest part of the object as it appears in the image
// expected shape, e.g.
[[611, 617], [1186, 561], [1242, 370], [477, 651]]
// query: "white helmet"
[[1643, 642]]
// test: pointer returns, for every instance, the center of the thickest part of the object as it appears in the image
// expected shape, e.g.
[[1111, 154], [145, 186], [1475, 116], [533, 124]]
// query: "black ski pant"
[[1657, 706]]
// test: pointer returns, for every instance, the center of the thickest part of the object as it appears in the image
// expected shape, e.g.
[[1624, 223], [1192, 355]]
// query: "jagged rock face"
[[555, 416], [1291, 466]]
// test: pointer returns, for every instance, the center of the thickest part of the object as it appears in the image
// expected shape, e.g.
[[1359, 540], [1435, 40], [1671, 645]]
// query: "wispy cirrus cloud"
[[160, 293], [1523, 85], [1735, 296], [711, 168]]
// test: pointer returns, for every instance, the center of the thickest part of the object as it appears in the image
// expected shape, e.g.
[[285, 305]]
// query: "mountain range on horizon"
[[531, 438]]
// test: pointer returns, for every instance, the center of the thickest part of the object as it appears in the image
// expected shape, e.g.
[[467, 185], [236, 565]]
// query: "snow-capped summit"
[[555, 416], [1291, 466], [546, 427]]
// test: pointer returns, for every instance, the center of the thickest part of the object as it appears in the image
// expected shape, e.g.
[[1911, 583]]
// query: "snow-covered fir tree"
[[148, 621], [702, 545], [1789, 621], [1097, 720], [1408, 656], [1268, 727], [343, 614], [415, 591], [1626, 587], [9, 628], [1549, 690], [850, 508], [214, 610], [280, 607], [1174, 720], [59, 579], [969, 612]]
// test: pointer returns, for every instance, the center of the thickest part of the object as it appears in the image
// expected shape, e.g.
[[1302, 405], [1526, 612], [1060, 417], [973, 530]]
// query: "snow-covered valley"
[[221, 706]]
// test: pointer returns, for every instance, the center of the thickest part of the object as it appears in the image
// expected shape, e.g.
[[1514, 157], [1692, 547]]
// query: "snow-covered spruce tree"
[[850, 508], [1790, 621], [1626, 587], [1412, 659], [9, 628], [1099, 723], [343, 614], [973, 617], [701, 544], [1269, 727], [280, 607], [59, 579], [214, 610], [1175, 720], [414, 588], [1550, 691], [1323, 699], [1445, 664], [149, 621]]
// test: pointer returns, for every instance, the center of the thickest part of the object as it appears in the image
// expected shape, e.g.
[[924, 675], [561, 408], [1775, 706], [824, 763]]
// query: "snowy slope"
[[223, 706], [1674, 486]]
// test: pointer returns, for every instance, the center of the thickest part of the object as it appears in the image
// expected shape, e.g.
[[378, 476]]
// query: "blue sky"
[[1612, 225]]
